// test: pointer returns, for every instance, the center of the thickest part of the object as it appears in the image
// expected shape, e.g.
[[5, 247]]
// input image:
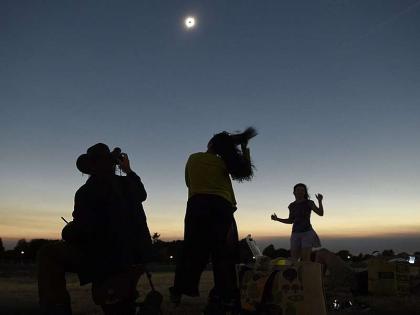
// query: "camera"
[[117, 155]]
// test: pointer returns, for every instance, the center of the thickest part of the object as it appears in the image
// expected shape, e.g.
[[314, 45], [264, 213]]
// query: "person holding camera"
[[210, 229], [108, 234]]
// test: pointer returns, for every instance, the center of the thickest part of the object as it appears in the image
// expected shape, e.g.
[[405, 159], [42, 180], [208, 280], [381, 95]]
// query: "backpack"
[[285, 290]]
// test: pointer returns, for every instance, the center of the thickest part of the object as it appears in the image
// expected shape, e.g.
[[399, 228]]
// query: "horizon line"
[[257, 235]]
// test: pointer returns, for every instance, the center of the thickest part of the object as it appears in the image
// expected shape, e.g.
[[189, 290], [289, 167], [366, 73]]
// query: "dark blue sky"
[[332, 86]]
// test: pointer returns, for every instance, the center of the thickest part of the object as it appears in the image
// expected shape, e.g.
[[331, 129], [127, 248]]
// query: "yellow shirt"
[[206, 173]]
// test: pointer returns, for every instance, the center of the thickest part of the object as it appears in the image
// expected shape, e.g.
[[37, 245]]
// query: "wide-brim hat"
[[86, 162]]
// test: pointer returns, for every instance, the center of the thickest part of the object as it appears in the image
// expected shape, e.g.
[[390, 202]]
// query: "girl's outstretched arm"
[[286, 221], [318, 210]]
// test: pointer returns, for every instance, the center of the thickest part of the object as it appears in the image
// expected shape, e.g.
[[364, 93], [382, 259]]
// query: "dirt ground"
[[18, 296]]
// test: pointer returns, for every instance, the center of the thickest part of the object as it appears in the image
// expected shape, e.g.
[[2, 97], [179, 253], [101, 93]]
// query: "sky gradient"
[[332, 86]]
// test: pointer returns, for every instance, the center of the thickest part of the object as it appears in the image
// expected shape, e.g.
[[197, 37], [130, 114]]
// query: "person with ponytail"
[[210, 228]]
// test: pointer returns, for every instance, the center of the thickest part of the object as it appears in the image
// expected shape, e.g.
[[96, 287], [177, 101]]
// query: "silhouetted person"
[[303, 237], [108, 233], [210, 227]]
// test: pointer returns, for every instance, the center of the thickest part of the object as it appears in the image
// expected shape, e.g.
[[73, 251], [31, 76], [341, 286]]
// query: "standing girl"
[[210, 230], [303, 237]]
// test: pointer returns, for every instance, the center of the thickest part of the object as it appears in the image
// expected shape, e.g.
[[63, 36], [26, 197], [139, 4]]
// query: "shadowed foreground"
[[18, 296]]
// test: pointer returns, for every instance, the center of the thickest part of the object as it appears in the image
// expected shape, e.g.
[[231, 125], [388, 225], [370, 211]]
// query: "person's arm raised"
[[318, 210], [138, 187]]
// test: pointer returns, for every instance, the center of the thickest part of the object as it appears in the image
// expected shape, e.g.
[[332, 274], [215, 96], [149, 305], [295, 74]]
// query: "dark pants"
[[210, 232], [54, 260]]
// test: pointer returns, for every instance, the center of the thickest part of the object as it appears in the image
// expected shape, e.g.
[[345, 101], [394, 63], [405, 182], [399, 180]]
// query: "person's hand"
[[274, 217], [125, 163], [319, 197]]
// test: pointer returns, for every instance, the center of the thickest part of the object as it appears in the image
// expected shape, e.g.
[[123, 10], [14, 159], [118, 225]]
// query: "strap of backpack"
[[149, 277]]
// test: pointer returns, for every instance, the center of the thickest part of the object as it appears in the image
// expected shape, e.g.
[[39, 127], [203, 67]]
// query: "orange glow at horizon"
[[43, 221], [51, 229]]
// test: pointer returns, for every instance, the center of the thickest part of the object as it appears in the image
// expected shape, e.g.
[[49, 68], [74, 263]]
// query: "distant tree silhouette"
[[165, 252], [269, 251], [28, 250], [173, 249], [168, 252], [358, 258], [1, 247], [388, 253], [21, 246], [403, 255], [155, 238], [344, 254]]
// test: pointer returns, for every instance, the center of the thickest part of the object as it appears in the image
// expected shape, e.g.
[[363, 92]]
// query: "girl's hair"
[[225, 145], [304, 186]]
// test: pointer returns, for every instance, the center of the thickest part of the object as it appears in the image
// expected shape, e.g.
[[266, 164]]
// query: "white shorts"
[[308, 239]]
